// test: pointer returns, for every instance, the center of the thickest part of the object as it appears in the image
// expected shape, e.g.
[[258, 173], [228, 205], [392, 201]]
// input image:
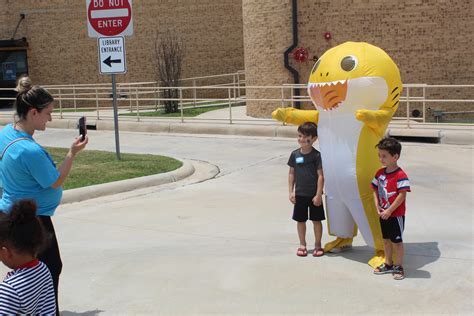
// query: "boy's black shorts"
[[303, 205], [392, 228]]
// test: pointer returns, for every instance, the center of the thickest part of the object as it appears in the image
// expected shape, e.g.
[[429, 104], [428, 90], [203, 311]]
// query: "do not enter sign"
[[109, 18]]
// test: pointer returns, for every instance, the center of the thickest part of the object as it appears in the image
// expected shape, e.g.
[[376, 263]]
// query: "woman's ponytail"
[[30, 97]]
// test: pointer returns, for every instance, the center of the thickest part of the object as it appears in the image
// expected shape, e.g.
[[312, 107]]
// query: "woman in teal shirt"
[[27, 170]]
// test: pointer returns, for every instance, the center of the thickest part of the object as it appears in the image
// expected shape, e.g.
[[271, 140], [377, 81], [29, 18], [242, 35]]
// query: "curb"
[[99, 190], [456, 137], [199, 128]]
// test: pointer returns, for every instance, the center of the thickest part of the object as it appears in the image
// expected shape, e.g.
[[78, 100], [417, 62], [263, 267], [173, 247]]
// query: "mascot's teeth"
[[323, 84]]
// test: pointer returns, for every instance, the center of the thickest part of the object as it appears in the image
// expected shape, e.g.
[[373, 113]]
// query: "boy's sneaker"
[[398, 273], [383, 269]]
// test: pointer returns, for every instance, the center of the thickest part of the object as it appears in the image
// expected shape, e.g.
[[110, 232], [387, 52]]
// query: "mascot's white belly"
[[339, 136]]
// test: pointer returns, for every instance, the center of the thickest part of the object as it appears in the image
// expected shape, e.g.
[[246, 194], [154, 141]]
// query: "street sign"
[[109, 18], [112, 55]]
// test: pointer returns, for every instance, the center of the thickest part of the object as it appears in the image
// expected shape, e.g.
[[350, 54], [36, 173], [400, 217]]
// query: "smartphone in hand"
[[82, 127]]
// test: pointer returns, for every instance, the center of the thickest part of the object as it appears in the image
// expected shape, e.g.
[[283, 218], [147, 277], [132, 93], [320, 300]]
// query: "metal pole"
[[408, 107], [194, 92], [230, 107], [424, 105], [114, 105], [282, 97], [238, 83], [130, 97], [138, 106], [74, 97], [159, 96], [292, 95], [60, 104], [181, 104], [97, 103], [235, 89]]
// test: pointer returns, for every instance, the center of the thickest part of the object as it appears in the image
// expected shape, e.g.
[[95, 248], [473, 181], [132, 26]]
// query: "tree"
[[169, 51]]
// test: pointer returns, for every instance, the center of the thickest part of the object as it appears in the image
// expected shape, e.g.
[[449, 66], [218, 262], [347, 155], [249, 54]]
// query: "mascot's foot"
[[378, 259], [338, 245]]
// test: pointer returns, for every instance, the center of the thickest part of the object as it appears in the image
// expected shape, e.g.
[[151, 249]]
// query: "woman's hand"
[[78, 145], [65, 167]]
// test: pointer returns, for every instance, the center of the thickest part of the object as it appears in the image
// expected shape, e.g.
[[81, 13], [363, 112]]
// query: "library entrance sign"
[[112, 55]]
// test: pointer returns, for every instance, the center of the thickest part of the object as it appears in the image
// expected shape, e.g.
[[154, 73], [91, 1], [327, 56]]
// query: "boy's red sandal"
[[302, 252], [318, 252]]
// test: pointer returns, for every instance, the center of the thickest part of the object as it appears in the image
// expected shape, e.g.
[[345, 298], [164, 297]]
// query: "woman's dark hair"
[[308, 129], [22, 230], [30, 97]]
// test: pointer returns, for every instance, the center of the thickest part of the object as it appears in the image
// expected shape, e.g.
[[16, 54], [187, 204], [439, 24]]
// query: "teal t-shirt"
[[27, 171]]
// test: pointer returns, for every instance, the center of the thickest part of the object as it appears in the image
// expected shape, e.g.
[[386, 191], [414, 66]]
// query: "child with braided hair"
[[27, 289]]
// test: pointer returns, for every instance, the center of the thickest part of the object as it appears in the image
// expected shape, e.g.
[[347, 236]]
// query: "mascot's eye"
[[348, 63], [316, 66]]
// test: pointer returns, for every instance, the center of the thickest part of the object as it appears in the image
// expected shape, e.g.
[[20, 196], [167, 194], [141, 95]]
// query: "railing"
[[407, 99], [146, 98]]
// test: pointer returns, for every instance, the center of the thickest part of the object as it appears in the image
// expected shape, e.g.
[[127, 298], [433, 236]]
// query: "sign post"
[[114, 105], [109, 21]]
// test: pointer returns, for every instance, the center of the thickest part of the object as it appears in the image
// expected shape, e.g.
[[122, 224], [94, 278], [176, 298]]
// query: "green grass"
[[95, 167], [190, 112]]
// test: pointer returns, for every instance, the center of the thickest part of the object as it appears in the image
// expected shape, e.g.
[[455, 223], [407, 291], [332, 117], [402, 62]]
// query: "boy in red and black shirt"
[[390, 186]]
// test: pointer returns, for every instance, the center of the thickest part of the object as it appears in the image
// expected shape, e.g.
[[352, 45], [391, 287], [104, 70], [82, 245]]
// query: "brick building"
[[430, 40], [61, 52]]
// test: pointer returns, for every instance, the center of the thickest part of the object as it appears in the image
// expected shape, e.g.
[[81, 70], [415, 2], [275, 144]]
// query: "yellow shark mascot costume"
[[356, 88]]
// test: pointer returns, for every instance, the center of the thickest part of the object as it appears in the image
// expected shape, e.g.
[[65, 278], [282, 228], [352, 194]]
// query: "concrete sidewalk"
[[227, 245]]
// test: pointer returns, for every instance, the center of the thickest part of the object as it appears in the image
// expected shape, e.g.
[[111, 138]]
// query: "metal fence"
[[145, 99]]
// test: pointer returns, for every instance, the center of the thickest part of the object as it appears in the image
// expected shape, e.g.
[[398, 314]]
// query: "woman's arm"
[[66, 165]]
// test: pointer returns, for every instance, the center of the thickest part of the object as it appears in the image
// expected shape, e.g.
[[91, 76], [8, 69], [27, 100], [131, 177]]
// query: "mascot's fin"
[[338, 243], [295, 116], [376, 120], [378, 259]]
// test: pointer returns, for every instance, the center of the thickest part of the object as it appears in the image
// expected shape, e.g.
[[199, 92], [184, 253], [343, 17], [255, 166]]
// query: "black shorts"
[[303, 205], [392, 228]]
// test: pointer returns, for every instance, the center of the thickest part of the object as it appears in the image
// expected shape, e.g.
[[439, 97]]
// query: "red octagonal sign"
[[109, 17]]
